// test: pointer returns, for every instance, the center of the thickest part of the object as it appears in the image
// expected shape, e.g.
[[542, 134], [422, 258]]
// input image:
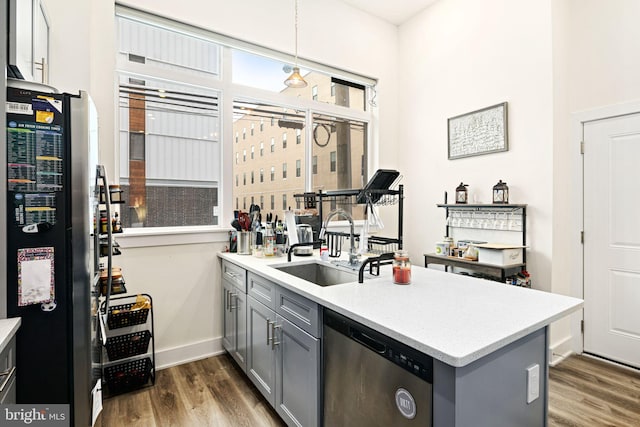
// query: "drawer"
[[262, 290], [235, 275], [299, 310]]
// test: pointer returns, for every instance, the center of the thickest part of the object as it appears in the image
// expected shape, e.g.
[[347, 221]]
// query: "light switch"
[[533, 383]]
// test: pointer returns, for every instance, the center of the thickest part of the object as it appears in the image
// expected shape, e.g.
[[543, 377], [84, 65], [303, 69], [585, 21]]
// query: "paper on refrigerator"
[[36, 279]]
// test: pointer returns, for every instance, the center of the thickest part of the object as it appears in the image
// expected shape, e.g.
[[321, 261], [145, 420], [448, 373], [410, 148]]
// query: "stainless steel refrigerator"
[[51, 264]]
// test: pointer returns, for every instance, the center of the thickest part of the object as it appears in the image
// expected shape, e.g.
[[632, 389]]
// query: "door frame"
[[579, 119]]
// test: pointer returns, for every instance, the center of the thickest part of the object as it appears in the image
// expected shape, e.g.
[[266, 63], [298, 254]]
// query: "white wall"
[[595, 60], [183, 279], [462, 55], [69, 44], [81, 41]]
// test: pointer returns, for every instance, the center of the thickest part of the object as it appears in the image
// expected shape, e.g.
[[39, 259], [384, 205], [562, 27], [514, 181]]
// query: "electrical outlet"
[[533, 383]]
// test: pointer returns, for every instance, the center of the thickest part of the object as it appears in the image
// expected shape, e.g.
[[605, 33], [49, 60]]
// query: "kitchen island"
[[483, 336]]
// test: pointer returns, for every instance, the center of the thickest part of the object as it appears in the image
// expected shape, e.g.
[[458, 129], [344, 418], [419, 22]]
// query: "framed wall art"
[[478, 132]]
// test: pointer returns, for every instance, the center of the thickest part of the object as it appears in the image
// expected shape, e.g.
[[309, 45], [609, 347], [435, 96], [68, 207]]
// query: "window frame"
[[229, 90]]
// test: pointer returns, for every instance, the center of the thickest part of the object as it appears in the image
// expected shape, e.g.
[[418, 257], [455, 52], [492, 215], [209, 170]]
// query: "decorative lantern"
[[501, 193], [461, 193]]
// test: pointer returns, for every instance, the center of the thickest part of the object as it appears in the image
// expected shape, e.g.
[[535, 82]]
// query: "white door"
[[612, 238]]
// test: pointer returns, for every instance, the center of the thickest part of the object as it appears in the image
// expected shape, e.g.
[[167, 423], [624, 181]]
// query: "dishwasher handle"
[[367, 341]]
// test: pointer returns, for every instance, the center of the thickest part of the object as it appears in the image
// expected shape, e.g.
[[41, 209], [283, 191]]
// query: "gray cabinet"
[[297, 375], [283, 360], [261, 355], [234, 305], [234, 339]]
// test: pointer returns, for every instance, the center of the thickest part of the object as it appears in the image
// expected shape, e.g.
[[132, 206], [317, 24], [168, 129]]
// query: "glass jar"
[[401, 268], [268, 241]]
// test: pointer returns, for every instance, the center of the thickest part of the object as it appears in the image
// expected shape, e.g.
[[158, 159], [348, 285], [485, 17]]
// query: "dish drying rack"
[[376, 245]]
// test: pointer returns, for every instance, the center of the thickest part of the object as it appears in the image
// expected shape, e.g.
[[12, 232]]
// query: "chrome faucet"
[[353, 256]]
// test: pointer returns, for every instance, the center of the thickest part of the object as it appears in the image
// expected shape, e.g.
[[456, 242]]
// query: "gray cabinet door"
[[297, 375], [239, 308], [229, 327], [261, 358]]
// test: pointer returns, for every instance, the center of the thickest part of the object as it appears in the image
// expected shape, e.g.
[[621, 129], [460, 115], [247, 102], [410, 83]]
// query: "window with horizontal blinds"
[[171, 132]]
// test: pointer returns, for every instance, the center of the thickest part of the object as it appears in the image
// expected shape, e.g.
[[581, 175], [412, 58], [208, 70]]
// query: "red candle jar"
[[401, 268]]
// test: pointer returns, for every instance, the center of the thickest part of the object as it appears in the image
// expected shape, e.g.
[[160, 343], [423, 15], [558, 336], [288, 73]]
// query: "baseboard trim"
[[560, 351], [169, 357]]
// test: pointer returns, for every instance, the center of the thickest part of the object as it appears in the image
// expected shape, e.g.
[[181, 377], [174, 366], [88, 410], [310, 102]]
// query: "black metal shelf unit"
[[127, 359], [495, 272]]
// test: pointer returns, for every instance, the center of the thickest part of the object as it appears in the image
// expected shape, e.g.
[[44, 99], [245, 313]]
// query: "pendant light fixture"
[[295, 80]]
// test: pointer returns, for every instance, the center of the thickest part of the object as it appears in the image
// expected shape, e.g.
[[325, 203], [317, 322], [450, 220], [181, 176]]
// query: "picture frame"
[[479, 132]]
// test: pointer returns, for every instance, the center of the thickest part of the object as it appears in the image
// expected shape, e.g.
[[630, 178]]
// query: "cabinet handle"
[[226, 300], [231, 274], [8, 378], [274, 343], [268, 330], [232, 295]]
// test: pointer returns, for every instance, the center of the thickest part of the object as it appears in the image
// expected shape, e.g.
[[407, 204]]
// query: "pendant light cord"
[[296, 37]]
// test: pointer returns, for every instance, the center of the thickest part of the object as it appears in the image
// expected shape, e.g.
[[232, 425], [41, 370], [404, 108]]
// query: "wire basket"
[[128, 345], [128, 376], [121, 316]]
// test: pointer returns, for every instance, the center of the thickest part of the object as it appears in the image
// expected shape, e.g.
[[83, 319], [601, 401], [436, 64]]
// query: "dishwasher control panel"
[[415, 366], [410, 359]]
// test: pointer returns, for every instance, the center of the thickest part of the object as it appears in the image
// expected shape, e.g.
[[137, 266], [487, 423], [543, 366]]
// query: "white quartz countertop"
[[454, 318], [8, 328]]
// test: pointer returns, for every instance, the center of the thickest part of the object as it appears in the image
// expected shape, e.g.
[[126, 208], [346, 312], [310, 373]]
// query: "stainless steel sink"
[[319, 273]]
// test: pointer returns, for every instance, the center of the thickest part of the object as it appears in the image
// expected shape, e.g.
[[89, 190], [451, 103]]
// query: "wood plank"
[[131, 409], [168, 406], [586, 391], [240, 401], [202, 409]]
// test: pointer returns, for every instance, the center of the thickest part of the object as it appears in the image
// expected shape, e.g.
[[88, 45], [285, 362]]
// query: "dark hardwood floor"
[[583, 392]]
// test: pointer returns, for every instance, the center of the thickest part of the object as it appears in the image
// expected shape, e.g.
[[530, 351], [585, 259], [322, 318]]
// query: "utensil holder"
[[244, 243]]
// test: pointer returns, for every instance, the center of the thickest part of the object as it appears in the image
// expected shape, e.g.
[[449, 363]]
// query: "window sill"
[[171, 236]]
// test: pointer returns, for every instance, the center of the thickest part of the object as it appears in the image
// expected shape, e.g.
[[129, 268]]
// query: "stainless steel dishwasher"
[[371, 379]]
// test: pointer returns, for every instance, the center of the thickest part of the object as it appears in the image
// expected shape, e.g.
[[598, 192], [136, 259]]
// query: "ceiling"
[[395, 12]]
